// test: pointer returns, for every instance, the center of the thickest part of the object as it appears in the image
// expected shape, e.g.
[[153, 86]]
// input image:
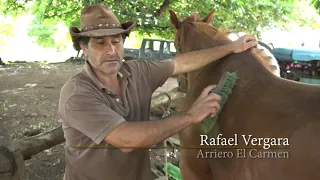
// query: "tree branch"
[[162, 8], [138, 6], [152, 26], [54, 15]]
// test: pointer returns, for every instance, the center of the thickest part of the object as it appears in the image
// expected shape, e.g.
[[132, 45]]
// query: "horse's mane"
[[194, 17]]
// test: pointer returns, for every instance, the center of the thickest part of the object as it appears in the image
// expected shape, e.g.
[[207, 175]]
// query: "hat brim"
[[126, 29]]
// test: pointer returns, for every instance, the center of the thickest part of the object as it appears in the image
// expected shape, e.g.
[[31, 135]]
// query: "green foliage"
[[304, 14], [316, 4], [14, 7], [152, 17], [4, 105], [6, 30], [249, 16], [43, 32]]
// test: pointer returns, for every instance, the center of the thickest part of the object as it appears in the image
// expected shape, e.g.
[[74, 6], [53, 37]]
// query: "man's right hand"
[[243, 43], [204, 106]]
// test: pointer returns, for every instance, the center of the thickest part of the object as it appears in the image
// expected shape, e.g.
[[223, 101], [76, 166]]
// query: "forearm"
[[195, 60], [145, 134]]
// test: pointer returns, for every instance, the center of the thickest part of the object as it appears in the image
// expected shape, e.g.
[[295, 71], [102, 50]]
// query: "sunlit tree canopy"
[[152, 17]]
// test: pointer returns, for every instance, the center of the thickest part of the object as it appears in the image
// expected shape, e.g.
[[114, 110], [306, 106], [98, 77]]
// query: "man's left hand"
[[244, 43]]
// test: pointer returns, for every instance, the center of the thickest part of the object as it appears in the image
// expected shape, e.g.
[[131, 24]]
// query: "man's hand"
[[243, 43], [205, 105]]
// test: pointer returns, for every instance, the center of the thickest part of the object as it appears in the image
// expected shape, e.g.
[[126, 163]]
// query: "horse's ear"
[[174, 19], [208, 19]]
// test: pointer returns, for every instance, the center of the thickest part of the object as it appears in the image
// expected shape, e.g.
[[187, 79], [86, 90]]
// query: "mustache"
[[110, 58]]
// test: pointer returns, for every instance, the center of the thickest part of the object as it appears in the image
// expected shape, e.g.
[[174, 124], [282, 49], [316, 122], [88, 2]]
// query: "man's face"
[[105, 54]]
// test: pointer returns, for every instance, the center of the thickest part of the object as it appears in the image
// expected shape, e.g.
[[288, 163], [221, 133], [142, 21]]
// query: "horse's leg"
[[192, 166]]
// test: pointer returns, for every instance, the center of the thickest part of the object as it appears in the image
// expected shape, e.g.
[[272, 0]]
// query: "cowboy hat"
[[99, 21]]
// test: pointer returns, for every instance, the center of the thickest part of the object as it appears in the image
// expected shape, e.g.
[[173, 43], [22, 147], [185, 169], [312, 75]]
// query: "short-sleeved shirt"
[[89, 112]]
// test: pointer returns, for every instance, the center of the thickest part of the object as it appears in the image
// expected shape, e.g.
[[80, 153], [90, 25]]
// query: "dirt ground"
[[29, 95]]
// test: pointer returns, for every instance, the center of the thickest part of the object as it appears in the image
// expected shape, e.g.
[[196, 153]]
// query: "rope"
[[166, 112], [166, 159]]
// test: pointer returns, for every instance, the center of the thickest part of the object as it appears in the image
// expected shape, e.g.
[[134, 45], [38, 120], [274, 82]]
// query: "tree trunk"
[[164, 6], [30, 146]]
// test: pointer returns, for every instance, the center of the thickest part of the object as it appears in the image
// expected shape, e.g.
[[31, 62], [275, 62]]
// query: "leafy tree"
[[6, 30], [316, 4], [43, 31], [306, 15], [152, 17]]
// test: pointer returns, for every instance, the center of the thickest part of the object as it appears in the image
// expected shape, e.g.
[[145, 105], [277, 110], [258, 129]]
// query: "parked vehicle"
[[299, 64], [151, 49]]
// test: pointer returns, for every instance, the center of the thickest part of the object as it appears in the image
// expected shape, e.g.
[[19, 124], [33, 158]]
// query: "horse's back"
[[264, 106]]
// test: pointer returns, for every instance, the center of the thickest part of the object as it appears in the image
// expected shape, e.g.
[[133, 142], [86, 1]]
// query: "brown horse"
[[263, 105]]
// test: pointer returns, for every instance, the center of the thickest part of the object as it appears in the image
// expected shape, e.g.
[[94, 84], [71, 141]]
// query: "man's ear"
[[84, 49], [124, 37]]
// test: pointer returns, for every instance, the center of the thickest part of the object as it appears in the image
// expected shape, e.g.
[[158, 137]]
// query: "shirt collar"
[[87, 71]]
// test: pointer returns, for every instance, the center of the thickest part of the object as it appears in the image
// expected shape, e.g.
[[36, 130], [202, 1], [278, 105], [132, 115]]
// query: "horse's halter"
[[178, 46], [178, 49], [176, 43]]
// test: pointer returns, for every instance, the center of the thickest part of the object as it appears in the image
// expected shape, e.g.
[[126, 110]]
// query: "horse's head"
[[195, 33]]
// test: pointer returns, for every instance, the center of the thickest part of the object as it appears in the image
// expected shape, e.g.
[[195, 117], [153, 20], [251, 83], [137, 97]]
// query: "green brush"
[[224, 89]]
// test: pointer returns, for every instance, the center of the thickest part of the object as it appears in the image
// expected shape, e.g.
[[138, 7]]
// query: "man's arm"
[[144, 134], [129, 135], [191, 61]]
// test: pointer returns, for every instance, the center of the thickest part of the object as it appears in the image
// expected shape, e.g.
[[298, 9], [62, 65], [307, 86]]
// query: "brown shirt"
[[89, 112]]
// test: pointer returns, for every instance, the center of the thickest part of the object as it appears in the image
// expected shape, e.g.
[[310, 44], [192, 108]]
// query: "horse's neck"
[[193, 76], [205, 41]]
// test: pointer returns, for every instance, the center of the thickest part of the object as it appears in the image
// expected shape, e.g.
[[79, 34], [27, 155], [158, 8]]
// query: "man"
[[105, 108]]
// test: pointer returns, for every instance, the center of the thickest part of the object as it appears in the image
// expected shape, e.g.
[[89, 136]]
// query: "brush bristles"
[[224, 89]]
